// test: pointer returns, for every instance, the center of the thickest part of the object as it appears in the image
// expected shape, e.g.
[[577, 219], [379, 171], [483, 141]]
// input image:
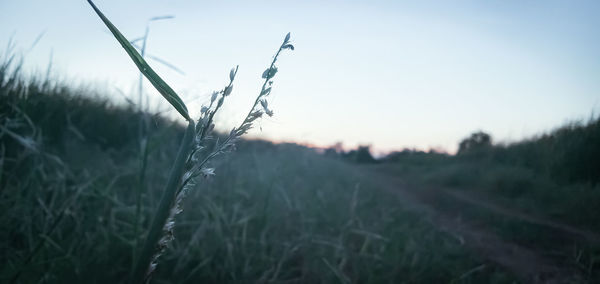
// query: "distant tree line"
[[362, 154], [569, 154]]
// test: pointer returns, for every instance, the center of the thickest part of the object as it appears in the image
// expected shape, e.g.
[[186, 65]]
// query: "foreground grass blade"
[[167, 199], [162, 87]]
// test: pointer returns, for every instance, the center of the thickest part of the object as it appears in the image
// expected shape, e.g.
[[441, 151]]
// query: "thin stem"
[[143, 139], [212, 114], [167, 199], [141, 79], [264, 84]]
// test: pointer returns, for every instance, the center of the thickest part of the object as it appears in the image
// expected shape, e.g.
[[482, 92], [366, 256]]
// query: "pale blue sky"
[[393, 74]]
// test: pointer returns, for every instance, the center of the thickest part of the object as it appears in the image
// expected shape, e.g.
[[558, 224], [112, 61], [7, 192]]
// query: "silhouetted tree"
[[477, 141], [360, 155], [335, 151], [363, 155]]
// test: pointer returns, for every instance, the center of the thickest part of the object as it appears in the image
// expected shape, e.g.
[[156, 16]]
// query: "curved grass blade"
[[163, 88]]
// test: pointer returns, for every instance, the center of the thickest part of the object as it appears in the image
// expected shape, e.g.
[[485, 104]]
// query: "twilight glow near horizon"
[[393, 74]]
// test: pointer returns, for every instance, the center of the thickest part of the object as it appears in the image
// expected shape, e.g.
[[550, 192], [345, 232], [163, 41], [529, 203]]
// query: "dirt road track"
[[584, 235], [526, 264]]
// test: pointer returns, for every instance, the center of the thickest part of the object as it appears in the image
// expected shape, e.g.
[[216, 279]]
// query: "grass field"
[[283, 213], [273, 213]]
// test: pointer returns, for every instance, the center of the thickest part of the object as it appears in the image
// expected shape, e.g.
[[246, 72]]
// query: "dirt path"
[[525, 263], [587, 236]]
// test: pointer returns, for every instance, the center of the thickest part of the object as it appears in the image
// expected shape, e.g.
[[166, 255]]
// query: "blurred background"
[[392, 74], [412, 142]]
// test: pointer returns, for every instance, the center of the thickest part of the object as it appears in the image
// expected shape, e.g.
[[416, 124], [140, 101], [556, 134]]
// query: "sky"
[[391, 74]]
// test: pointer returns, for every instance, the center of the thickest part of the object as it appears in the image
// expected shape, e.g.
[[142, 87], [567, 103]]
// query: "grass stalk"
[[141, 268], [181, 180]]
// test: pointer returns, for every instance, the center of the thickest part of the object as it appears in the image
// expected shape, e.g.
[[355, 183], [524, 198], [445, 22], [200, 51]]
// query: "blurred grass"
[[274, 213], [513, 186], [541, 186], [556, 174]]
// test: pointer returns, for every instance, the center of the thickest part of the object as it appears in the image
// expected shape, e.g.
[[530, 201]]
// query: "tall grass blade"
[[165, 90]]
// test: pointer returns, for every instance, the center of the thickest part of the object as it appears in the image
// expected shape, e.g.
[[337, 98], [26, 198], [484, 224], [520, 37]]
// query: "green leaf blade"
[[161, 86]]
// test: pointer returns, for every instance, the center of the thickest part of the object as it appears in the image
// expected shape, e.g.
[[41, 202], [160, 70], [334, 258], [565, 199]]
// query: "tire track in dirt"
[[524, 263]]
